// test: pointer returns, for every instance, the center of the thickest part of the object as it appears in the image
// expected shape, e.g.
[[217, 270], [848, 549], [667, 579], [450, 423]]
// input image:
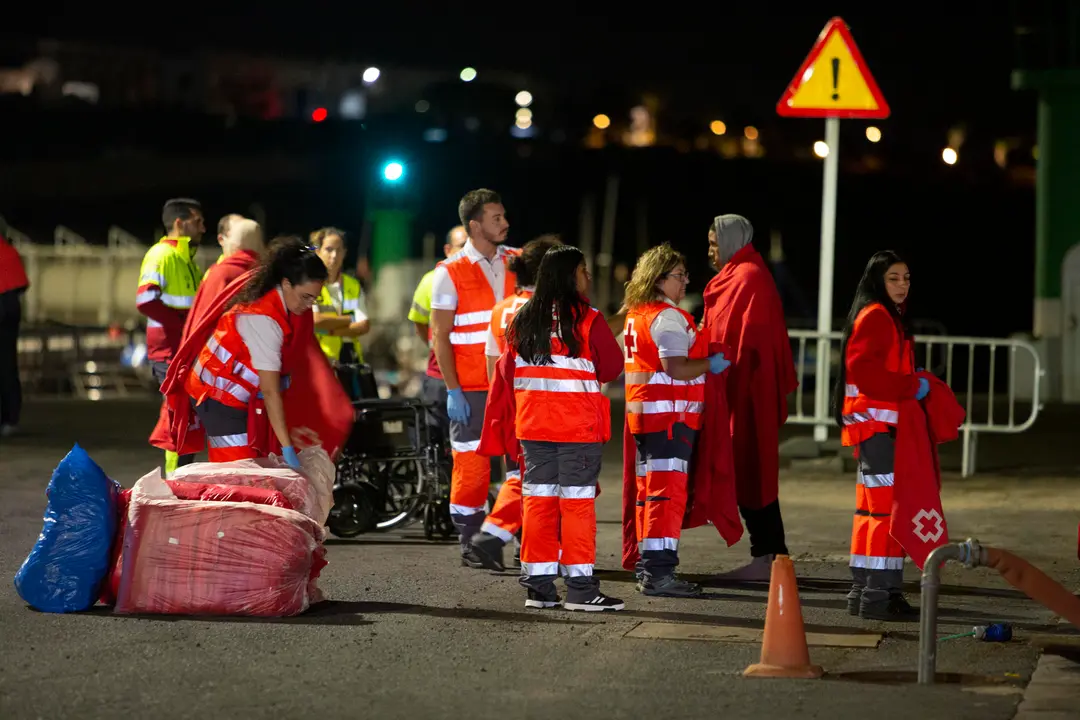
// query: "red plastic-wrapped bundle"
[[193, 557], [310, 492]]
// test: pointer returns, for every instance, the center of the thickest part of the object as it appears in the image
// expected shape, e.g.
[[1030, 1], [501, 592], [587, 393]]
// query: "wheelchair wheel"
[[353, 512], [396, 488]]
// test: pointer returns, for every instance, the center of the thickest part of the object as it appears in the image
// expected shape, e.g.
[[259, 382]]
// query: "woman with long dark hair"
[[563, 352], [877, 373], [665, 396], [243, 359]]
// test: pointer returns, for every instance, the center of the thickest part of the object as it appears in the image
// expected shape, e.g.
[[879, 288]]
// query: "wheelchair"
[[395, 467]]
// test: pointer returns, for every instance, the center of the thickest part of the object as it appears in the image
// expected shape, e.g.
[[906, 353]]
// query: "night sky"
[[937, 65]]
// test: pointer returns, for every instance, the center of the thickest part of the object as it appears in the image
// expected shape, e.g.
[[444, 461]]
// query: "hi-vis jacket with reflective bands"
[[168, 281], [350, 306], [223, 371], [503, 313], [562, 402], [879, 373], [654, 400], [472, 316]]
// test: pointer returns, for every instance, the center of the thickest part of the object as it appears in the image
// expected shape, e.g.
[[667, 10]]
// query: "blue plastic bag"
[[64, 571]]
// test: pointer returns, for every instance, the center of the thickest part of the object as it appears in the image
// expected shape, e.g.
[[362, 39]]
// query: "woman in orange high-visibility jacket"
[[243, 358], [503, 523], [665, 393], [559, 344], [878, 372]]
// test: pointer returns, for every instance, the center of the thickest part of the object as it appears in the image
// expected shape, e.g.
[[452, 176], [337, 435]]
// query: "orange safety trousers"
[[662, 483], [471, 476], [558, 534], [504, 520], [872, 546]]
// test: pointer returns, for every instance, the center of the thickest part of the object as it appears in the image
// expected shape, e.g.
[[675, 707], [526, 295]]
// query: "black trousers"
[[10, 386]]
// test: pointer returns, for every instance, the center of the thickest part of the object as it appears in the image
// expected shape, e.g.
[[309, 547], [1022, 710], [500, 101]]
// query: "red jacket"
[[12, 272], [499, 436], [918, 520], [712, 489], [217, 279], [317, 407]]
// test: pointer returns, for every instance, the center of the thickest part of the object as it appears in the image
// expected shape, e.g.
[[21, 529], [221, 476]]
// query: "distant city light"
[[393, 171], [468, 74], [371, 75], [750, 132], [821, 149], [718, 127], [523, 114], [602, 121], [524, 122], [523, 98], [319, 114], [950, 156], [873, 134], [423, 106]]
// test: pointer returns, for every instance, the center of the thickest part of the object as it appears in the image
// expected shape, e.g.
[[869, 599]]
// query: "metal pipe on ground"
[[1016, 571]]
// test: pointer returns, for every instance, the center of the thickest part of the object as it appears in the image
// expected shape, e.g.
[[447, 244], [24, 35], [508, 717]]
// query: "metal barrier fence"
[[973, 362]]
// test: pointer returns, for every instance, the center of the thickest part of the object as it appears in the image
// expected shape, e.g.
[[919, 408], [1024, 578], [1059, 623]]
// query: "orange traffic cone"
[[783, 651]]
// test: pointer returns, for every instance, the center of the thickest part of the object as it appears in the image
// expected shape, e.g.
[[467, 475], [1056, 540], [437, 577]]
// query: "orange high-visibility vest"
[[223, 371], [503, 312], [562, 402], [863, 415], [472, 316], [654, 400]]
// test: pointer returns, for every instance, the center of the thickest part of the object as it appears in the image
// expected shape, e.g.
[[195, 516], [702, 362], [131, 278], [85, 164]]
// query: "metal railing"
[[980, 394]]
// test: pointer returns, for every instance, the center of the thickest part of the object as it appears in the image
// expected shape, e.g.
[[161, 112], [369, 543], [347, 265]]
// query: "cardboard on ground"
[[844, 89]]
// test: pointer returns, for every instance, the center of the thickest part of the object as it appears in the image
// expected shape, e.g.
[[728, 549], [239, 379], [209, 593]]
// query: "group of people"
[[518, 360]]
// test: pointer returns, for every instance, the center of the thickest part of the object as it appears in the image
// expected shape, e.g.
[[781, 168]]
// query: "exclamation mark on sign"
[[835, 77]]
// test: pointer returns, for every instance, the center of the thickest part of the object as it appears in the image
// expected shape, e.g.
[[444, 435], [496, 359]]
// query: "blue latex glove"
[[291, 458], [924, 388], [717, 363], [457, 407]]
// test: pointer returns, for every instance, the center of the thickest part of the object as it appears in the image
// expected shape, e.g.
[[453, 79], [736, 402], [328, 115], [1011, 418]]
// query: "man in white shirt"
[[465, 288]]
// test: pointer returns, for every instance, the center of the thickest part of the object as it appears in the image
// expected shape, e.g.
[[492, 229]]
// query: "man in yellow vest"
[[340, 313], [433, 389], [168, 281]]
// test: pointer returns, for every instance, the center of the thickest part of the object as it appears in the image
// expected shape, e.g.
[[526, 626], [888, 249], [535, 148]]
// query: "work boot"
[[894, 608], [473, 560], [597, 602], [854, 601], [540, 601], [489, 550], [758, 570], [670, 586]]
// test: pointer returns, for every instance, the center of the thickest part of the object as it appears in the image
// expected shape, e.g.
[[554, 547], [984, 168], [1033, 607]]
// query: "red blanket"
[[712, 492], [744, 312], [918, 520], [499, 436], [317, 407]]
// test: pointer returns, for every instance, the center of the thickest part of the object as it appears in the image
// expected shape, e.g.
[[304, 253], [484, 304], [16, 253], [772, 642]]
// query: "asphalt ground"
[[408, 633]]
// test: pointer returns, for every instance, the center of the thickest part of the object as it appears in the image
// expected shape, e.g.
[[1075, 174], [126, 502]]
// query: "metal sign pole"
[[825, 279]]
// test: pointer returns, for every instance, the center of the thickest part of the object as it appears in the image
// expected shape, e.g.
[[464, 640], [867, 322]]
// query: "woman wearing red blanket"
[[877, 374], [242, 359]]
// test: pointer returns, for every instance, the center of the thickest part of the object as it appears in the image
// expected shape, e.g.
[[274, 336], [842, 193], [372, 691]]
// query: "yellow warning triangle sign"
[[833, 81]]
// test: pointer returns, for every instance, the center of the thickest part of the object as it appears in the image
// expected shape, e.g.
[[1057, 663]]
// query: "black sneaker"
[[670, 586], [488, 549], [895, 608], [541, 602], [598, 603], [854, 600]]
